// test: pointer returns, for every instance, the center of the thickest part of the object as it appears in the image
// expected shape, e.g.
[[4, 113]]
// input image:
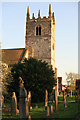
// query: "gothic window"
[[38, 30]]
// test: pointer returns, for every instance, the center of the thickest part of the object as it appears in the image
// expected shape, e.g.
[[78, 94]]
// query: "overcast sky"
[[66, 30]]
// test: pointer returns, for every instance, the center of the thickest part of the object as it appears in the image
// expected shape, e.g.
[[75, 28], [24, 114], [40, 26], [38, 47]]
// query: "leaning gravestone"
[[46, 98], [14, 104], [64, 98], [23, 101]]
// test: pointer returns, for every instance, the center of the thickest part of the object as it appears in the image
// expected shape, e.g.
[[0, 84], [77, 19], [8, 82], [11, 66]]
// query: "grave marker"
[[46, 98], [14, 104]]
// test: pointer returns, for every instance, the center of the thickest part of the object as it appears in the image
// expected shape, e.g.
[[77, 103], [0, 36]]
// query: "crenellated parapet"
[[50, 17]]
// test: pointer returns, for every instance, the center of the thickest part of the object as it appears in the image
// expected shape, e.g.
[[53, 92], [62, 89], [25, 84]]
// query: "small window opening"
[[36, 30], [40, 30]]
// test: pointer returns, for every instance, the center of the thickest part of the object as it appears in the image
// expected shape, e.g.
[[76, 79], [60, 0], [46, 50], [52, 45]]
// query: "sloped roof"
[[12, 56]]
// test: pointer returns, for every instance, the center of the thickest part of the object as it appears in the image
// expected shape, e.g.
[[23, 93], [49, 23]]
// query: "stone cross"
[[14, 104], [64, 98], [23, 101], [46, 98]]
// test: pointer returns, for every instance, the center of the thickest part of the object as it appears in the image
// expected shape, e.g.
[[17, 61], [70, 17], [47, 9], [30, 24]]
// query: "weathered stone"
[[51, 110], [29, 117], [17, 111], [36, 106], [23, 102], [47, 111], [14, 104], [29, 99], [64, 98], [71, 93], [2, 101], [56, 99], [30, 107], [46, 98]]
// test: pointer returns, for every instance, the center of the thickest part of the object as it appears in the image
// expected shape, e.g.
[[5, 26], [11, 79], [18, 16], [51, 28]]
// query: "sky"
[[66, 30]]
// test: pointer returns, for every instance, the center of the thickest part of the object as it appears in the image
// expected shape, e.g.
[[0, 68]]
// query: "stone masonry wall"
[[43, 46]]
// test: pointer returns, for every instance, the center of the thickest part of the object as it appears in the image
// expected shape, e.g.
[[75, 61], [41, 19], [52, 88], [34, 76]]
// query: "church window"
[[38, 30]]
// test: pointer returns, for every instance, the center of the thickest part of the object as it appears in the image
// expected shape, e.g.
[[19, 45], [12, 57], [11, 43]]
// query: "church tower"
[[40, 37]]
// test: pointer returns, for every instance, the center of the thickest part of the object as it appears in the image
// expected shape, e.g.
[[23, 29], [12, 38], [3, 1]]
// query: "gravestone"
[[2, 101], [64, 98], [23, 101], [51, 111], [29, 99], [36, 106], [47, 111], [29, 117], [71, 93], [14, 104], [30, 107], [46, 98], [56, 99]]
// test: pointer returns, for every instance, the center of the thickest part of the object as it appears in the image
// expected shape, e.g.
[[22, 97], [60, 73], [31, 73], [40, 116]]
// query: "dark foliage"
[[37, 77]]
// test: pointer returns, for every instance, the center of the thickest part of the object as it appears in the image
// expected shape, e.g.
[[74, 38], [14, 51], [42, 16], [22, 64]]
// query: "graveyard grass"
[[71, 111]]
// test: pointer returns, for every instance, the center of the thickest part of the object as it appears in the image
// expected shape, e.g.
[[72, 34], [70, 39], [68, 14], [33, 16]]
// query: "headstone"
[[76, 97], [14, 104], [64, 98], [46, 98], [36, 106], [23, 101], [47, 111], [71, 93], [51, 110], [56, 91], [30, 107], [17, 111], [2, 101], [29, 117], [56, 99], [29, 99]]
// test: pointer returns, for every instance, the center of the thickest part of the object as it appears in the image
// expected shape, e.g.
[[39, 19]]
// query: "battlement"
[[50, 17]]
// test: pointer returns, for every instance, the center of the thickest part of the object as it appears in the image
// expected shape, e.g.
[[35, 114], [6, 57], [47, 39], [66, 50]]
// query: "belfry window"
[[38, 30]]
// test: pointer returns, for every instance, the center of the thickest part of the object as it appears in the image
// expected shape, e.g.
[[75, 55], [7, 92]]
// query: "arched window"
[[38, 30]]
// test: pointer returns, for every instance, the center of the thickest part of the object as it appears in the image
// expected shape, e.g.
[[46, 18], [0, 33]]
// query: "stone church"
[[39, 43]]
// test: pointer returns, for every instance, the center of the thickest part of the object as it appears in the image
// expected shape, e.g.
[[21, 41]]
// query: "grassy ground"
[[71, 111]]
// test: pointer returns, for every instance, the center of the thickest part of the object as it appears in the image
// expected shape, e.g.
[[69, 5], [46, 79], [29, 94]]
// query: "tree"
[[71, 79], [37, 76], [5, 74]]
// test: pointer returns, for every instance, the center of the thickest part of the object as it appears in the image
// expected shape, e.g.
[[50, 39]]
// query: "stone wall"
[[43, 45]]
